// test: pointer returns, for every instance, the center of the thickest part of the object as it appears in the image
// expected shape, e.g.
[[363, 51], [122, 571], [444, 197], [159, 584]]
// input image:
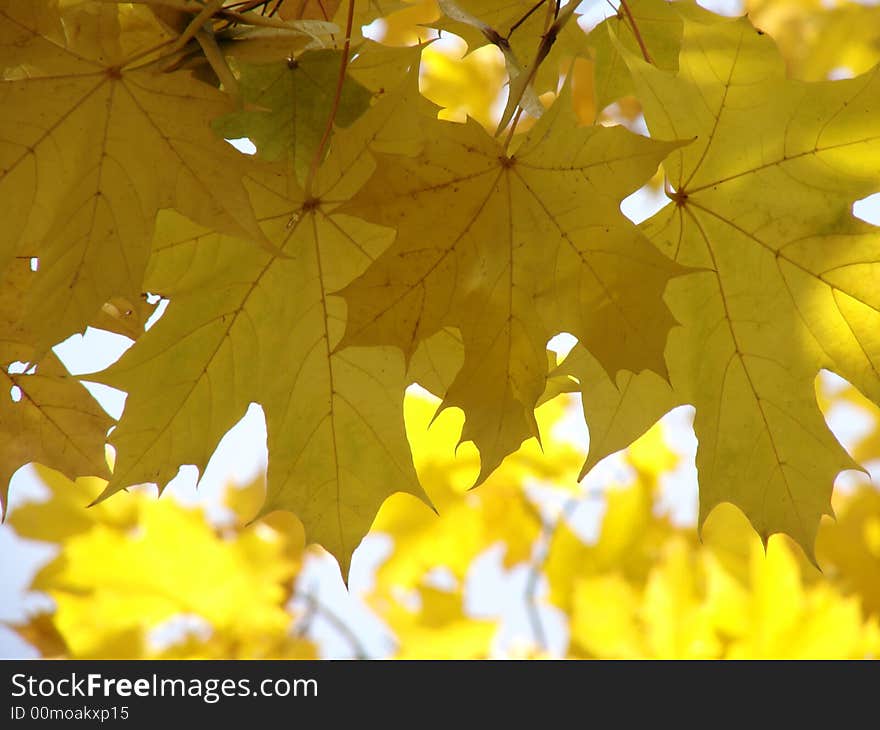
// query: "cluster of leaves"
[[640, 587], [370, 245]]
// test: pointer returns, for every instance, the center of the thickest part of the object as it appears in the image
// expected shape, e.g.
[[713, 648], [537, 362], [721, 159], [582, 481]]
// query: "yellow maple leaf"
[[89, 153], [512, 249], [646, 27], [616, 411], [46, 415], [761, 201], [267, 327]]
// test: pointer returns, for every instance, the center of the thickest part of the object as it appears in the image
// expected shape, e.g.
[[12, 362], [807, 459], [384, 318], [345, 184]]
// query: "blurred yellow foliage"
[[436, 627], [818, 37], [139, 577], [133, 564], [465, 86]]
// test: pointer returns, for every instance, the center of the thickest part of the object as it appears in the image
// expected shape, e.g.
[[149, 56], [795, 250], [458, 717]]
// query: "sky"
[[241, 456]]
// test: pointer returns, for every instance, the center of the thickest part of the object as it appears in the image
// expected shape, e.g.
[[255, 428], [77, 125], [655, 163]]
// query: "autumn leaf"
[[512, 249], [245, 326], [46, 415], [369, 246], [659, 27], [293, 99], [762, 201], [94, 141], [617, 411]]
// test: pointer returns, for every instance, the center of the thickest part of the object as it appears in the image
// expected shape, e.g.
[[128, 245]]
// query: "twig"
[[315, 608], [635, 30], [552, 27], [542, 553], [195, 25], [523, 19]]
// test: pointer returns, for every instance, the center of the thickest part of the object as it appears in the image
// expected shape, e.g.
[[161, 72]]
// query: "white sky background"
[[241, 455]]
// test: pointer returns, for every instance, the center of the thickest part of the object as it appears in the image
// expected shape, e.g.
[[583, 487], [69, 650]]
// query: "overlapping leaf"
[[92, 145], [485, 252], [247, 326], [292, 100], [618, 410], [763, 202], [512, 249], [46, 416], [517, 27], [659, 24], [469, 522]]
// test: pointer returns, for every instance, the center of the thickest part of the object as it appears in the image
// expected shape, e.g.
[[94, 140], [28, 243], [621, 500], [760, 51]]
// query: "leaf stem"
[[195, 25], [512, 129], [553, 25], [635, 29], [146, 52], [214, 55], [523, 19], [328, 128]]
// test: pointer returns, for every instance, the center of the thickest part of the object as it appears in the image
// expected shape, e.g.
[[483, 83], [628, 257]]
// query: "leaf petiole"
[[635, 29], [328, 128]]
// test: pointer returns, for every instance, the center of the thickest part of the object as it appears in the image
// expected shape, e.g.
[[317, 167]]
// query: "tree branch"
[[539, 561], [315, 608]]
